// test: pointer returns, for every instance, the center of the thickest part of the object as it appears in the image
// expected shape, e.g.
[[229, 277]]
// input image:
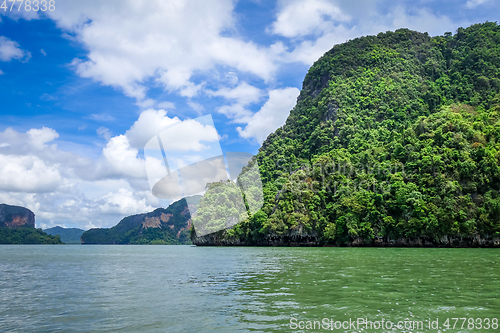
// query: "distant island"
[[68, 235], [164, 226], [394, 141], [17, 226]]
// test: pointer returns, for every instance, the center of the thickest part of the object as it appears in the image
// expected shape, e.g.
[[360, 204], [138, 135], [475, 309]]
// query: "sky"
[[84, 85]]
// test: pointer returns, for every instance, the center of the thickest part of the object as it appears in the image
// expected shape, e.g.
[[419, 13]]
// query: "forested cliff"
[[169, 225], [17, 226], [394, 140]]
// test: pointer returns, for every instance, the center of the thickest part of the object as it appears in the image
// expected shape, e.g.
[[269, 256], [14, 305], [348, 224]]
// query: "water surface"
[[64, 288]]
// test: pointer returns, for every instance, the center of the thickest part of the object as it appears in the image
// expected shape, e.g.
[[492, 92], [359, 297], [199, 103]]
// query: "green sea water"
[[62, 288]]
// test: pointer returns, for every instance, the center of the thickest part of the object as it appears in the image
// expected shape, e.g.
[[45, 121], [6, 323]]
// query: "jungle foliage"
[[131, 230], [393, 136], [26, 235]]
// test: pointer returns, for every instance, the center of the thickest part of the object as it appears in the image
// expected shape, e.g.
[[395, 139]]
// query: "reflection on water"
[[195, 289]]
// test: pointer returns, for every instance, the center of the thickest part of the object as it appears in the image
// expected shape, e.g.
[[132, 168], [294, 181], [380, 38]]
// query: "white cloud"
[[27, 174], [237, 112], [119, 159], [96, 189], [1, 72], [63, 188], [300, 18], [150, 123], [122, 202], [308, 51], [244, 93], [474, 3], [10, 49], [42, 51], [35, 142], [272, 114], [421, 19], [316, 26], [39, 137], [189, 136], [168, 41]]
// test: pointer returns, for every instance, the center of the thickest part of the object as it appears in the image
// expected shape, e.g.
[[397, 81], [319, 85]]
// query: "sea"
[[134, 288]]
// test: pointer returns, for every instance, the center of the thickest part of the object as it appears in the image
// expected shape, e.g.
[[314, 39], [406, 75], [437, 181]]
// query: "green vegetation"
[[221, 207], [162, 226], [26, 235], [393, 136], [68, 235]]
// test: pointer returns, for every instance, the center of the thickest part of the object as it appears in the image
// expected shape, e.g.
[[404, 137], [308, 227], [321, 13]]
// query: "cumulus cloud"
[[420, 19], [314, 27], [10, 49], [119, 159], [177, 135], [64, 188], [122, 202], [38, 143], [189, 135], [237, 112], [39, 137], [300, 18], [150, 123], [27, 174], [244, 93], [272, 114], [308, 51], [169, 42]]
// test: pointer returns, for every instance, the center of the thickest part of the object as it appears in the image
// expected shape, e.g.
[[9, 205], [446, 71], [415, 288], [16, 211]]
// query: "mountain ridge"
[[169, 225], [68, 235]]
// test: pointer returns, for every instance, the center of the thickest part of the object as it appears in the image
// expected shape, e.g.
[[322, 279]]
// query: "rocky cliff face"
[[162, 226], [295, 238], [15, 216]]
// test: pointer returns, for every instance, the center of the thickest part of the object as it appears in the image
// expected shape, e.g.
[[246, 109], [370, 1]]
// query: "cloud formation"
[[168, 42], [315, 26], [301, 18], [66, 189], [10, 49], [272, 114]]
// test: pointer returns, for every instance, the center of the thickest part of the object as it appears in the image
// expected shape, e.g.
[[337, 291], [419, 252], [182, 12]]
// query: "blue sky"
[[83, 87]]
